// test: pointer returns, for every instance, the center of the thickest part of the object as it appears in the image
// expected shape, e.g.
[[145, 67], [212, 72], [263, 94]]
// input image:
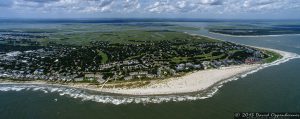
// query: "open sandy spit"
[[192, 82]]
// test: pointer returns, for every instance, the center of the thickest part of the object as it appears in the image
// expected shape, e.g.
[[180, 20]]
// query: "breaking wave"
[[85, 95]]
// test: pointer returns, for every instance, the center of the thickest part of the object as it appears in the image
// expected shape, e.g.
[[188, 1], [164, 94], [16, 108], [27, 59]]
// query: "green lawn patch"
[[103, 56], [273, 56]]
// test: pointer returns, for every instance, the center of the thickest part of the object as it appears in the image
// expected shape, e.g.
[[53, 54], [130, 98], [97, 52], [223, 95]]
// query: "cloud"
[[131, 5], [97, 6], [151, 6], [77, 6], [161, 6], [259, 6], [5, 3], [42, 1], [221, 6], [211, 2], [183, 5]]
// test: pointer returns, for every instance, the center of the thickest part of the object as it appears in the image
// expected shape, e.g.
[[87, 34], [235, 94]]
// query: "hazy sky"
[[228, 9]]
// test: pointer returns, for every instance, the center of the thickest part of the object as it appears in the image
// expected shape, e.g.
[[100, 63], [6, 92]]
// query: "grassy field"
[[83, 34], [103, 56], [123, 37], [273, 56], [254, 29]]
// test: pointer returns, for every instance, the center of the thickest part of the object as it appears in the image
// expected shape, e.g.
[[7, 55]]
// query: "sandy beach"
[[191, 82], [251, 35]]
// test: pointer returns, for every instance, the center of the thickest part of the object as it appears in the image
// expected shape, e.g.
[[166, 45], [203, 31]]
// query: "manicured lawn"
[[273, 56], [103, 56]]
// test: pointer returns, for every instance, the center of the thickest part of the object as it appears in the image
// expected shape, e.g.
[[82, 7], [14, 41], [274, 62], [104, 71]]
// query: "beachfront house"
[[94, 77]]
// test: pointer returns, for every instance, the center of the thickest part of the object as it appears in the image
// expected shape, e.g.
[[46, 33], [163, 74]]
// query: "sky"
[[205, 9]]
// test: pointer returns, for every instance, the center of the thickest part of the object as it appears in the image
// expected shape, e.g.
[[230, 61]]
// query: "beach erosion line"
[[85, 95]]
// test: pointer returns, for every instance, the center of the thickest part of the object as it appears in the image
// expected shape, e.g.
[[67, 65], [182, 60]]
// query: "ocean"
[[272, 89]]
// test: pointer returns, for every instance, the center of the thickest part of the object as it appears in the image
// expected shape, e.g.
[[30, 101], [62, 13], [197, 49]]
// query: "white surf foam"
[[118, 99]]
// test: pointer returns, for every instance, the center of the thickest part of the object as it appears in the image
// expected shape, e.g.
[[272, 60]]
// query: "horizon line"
[[158, 19]]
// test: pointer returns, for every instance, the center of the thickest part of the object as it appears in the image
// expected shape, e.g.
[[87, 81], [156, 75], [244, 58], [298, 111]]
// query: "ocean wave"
[[85, 95]]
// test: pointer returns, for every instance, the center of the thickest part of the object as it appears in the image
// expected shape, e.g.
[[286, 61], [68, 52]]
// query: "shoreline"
[[188, 83], [253, 36], [192, 82]]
